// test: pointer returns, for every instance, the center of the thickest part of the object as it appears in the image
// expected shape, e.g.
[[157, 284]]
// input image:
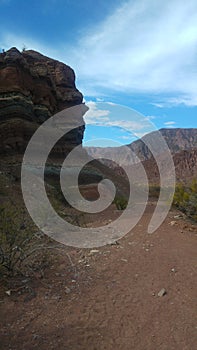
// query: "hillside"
[[185, 163], [176, 139], [181, 142]]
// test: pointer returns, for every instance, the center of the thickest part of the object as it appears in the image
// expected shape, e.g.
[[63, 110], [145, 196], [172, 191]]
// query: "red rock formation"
[[32, 88]]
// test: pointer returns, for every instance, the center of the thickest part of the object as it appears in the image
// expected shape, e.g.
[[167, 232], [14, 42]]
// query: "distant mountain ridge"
[[177, 139], [181, 142]]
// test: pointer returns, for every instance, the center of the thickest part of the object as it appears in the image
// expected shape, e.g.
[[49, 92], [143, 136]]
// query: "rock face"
[[177, 139], [185, 163], [34, 87]]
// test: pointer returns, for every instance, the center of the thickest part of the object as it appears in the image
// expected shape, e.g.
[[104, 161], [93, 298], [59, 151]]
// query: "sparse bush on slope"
[[121, 203], [15, 238], [19, 244], [185, 198]]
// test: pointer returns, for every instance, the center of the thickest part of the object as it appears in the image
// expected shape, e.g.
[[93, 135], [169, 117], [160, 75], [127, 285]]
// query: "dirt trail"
[[109, 299]]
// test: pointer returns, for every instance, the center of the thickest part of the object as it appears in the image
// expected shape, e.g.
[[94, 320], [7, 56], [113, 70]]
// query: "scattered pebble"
[[162, 292], [115, 243], [8, 292], [56, 297], [93, 251], [173, 269], [172, 223], [178, 216], [67, 290], [25, 281], [106, 252]]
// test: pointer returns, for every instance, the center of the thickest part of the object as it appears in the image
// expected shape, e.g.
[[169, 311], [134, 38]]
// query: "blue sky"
[[135, 53]]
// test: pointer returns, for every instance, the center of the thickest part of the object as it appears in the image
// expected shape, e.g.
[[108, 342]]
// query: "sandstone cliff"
[[34, 87]]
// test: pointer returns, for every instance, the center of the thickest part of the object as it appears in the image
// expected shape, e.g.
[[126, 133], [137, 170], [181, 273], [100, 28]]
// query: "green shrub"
[[121, 203], [185, 198]]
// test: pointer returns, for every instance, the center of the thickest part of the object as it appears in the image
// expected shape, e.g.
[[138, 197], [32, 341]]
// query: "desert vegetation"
[[121, 202], [22, 248], [185, 199]]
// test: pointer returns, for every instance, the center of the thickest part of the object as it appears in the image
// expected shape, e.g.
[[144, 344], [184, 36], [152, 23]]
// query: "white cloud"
[[170, 123], [158, 105], [127, 125], [145, 46], [150, 117], [111, 103], [188, 100], [133, 123], [95, 115]]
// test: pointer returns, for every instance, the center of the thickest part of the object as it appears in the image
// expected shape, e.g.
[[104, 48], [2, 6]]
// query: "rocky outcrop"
[[177, 139], [34, 87], [185, 164]]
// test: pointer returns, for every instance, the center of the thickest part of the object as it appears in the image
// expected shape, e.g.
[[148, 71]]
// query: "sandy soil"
[[108, 299]]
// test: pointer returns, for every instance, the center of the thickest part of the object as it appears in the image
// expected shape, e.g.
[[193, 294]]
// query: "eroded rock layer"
[[34, 87]]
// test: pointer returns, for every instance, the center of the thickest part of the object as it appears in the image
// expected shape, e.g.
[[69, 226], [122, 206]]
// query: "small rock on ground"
[[162, 292]]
